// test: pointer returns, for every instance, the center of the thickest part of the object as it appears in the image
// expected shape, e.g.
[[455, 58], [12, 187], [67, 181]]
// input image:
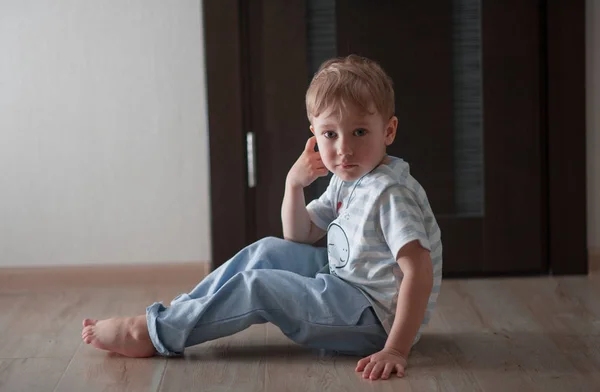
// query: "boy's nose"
[[345, 149]]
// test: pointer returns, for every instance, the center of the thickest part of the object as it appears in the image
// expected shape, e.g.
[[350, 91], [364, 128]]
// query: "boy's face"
[[355, 144]]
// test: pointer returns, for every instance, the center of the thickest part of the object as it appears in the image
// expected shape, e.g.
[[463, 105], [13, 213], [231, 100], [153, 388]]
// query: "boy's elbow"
[[292, 238]]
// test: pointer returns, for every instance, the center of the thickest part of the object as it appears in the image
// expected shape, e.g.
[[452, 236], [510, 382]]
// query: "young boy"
[[368, 293]]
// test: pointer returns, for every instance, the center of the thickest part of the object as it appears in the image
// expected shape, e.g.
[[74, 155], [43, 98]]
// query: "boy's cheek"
[[327, 163]]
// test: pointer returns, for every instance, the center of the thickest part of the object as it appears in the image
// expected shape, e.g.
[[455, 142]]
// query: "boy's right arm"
[[297, 225]]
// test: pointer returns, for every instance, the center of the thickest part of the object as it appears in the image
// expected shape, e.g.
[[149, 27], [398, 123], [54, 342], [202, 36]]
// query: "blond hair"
[[350, 82]]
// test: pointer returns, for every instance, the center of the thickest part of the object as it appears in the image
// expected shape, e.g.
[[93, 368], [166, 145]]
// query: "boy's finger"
[[368, 369], [310, 144], [377, 370], [400, 370], [362, 363], [322, 172], [389, 367]]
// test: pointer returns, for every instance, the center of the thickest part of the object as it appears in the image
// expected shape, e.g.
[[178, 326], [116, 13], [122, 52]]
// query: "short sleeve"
[[401, 219], [321, 210]]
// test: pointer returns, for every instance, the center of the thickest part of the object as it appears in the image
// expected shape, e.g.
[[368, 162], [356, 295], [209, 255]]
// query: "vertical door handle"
[[250, 156]]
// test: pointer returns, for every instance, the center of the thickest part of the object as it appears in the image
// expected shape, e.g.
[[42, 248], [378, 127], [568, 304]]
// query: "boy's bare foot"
[[127, 336]]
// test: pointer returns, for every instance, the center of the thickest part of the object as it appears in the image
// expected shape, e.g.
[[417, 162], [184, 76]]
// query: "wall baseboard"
[[102, 275]]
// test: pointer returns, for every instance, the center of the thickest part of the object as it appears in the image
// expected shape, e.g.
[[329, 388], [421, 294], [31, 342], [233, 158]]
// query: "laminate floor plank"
[[31, 374]]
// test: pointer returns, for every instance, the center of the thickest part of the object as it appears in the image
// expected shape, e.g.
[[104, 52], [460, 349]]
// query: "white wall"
[[593, 121], [103, 132]]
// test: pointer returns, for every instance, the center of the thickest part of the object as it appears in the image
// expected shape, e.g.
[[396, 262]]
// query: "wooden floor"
[[529, 334]]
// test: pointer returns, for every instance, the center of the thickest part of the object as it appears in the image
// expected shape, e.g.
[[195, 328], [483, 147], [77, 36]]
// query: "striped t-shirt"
[[368, 221]]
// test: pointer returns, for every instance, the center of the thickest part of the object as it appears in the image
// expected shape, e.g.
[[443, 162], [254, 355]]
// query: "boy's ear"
[[390, 130], [312, 129]]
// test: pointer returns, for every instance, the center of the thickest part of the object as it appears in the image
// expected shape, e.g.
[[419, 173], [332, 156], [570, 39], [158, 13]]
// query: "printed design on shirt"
[[338, 246]]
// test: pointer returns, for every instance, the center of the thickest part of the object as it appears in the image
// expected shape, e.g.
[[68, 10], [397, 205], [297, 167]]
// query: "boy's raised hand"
[[308, 167]]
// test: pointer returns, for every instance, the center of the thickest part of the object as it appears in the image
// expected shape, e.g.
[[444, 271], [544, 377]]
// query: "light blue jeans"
[[276, 281]]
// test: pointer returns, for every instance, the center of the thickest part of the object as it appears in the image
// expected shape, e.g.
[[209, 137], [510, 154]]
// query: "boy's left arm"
[[416, 286]]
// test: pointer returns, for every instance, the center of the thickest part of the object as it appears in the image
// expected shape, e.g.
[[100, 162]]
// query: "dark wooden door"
[[471, 98]]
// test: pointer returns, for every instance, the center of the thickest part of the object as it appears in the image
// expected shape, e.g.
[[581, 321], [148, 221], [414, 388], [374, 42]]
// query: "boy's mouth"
[[347, 165]]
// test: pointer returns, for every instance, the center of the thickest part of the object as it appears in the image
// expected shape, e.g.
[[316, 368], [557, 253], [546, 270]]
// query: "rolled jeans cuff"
[[151, 316]]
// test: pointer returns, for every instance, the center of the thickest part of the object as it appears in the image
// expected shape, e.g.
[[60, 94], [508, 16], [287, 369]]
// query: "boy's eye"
[[360, 132], [329, 134]]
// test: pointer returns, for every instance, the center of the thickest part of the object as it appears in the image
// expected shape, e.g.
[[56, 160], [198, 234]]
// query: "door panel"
[[514, 232], [228, 179], [282, 127]]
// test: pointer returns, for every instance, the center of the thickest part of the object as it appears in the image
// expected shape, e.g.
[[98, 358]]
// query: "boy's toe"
[[87, 332], [88, 336], [87, 322]]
